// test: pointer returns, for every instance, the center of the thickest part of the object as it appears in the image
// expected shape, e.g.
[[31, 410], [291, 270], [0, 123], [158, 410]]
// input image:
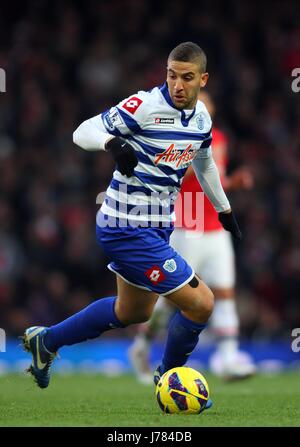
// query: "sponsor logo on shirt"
[[132, 104], [155, 274], [164, 120], [175, 156]]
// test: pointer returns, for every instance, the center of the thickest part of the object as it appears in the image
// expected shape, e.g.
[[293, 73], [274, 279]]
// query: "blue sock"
[[90, 322], [182, 338]]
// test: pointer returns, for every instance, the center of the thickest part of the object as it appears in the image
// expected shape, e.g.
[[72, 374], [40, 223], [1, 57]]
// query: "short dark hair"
[[189, 52]]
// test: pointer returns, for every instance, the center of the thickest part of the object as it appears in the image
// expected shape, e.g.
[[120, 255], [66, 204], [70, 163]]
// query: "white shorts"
[[210, 254]]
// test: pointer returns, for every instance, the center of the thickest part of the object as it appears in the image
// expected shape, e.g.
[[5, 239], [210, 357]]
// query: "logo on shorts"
[[155, 274], [170, 265]]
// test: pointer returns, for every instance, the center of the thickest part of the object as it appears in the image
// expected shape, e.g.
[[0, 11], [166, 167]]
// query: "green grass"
[[82, 400]]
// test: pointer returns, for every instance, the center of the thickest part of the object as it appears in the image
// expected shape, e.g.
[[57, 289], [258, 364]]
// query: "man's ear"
[[204, 79]]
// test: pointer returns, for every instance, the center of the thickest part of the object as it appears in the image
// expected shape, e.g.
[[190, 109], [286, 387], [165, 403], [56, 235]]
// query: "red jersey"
[[190, 184]]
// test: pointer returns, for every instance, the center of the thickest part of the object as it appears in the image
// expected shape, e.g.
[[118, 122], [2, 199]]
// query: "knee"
[[202, 306], [134, 319], [207, 302], [133, 316]]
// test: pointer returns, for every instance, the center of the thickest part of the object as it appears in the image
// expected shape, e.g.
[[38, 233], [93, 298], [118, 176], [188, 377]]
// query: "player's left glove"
[[229, 222]]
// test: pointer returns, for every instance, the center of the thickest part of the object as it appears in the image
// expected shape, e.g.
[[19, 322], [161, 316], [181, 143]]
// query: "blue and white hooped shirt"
[[166, 140]]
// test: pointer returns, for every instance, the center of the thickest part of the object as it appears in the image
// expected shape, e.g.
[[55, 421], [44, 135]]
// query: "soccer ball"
[[182, 390]]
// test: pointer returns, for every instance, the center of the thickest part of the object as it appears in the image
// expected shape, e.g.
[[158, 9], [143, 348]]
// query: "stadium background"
[[68, 60]]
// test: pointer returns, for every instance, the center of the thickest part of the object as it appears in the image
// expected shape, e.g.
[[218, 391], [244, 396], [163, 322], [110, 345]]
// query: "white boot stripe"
[[34, 332]]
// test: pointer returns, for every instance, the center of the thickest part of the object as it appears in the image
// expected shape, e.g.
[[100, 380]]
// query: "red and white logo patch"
[[175, 156], [155, 274], [132, 104]]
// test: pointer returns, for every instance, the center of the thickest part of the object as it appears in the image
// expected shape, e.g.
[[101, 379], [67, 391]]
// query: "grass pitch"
[[99, 401]]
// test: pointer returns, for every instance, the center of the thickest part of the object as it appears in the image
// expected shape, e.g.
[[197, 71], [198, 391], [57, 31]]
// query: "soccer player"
[[153, 136], [209, 251]]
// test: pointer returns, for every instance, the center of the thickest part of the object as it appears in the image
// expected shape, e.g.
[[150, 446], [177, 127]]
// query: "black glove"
[[123, 154], [229, 222]]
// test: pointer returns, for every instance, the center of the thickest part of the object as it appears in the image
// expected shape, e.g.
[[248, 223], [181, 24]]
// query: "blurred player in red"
[[209, 250]]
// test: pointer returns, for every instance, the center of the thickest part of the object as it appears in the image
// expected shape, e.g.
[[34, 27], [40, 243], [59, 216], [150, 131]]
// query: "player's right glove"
[[229, 222], [124, 155]]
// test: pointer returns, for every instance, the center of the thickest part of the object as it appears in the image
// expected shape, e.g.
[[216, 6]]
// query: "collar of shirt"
[[185, 115]]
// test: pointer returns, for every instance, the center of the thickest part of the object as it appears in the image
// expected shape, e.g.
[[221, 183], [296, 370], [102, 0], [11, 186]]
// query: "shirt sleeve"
[[91, 135], [121, 120], [208, 176]]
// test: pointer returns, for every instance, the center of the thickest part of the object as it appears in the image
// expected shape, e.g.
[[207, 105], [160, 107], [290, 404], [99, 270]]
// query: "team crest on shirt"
[[200, 121], [170, 265], [175, 156]]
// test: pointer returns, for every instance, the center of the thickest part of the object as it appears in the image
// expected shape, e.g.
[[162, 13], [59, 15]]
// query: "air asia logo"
[[176, 156], [164, 120], [132, 104], [155, 274]]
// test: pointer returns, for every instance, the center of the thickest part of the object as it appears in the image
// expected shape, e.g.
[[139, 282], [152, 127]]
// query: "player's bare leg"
[[195, 300], [133, 304], [224, 323]]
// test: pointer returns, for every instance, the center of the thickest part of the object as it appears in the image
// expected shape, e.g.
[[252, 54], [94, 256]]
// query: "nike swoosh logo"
[[40, 364], [124, 144]]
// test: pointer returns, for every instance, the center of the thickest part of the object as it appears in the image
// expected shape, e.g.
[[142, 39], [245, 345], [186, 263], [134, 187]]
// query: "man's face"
[[184, 82]]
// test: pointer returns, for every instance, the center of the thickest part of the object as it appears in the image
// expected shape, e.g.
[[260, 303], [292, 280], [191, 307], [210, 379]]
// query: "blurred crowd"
[[66, 61]]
